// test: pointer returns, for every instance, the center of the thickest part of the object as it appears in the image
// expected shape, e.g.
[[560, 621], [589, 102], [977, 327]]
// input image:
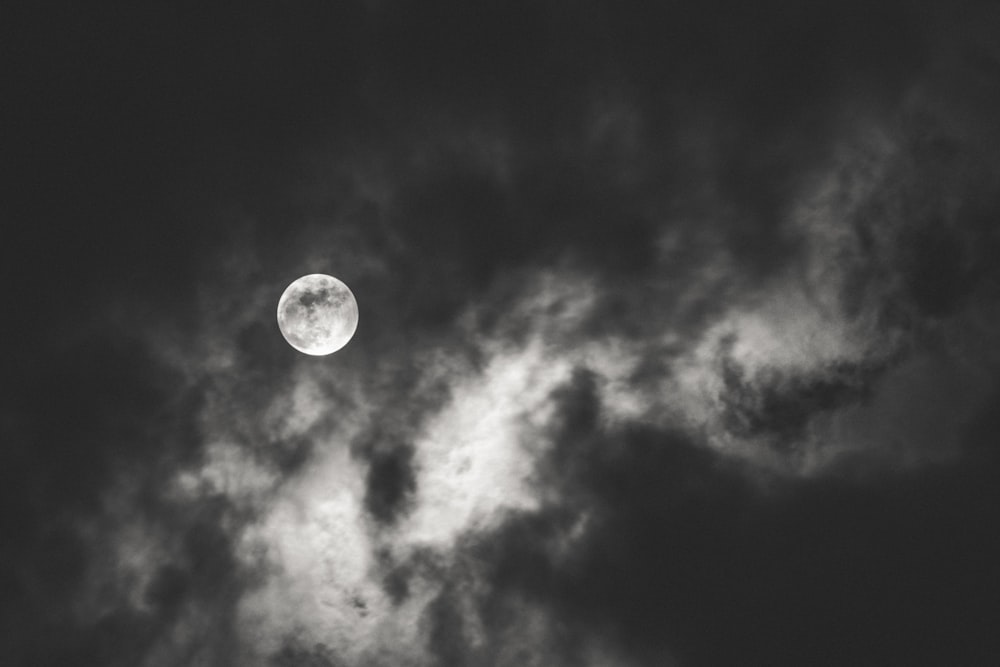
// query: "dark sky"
[[678, 334]]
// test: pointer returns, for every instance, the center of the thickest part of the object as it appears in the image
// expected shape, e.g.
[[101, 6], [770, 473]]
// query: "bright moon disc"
[[317, 314]]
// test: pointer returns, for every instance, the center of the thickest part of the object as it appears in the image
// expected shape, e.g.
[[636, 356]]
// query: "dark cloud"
[[390, 482], [779, 407], [189, 613], [294, 656], [101, 411], [683, 553]]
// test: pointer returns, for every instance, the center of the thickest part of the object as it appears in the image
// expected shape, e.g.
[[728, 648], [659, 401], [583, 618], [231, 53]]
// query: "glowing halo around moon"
[[317, 314]]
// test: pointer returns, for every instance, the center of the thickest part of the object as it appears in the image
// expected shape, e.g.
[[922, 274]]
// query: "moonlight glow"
[[317, 314]]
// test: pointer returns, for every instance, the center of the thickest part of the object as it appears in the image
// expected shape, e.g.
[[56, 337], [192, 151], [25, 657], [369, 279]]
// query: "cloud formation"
[[676, 341]]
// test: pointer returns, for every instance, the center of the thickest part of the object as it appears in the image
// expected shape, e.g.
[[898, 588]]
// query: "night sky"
[[678, 339]]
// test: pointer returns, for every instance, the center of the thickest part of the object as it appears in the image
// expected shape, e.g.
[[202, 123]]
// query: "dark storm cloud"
[[191, 597], [684, 556], [294, 656], [390, 482], [93, 412], [779, 406], [147, 142]]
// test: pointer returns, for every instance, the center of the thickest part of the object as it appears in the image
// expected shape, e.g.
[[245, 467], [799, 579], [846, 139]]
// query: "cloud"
[[683, 553], [676, 341], [390, 483]]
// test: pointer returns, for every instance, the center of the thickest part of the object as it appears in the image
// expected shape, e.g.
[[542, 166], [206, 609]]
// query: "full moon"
[[317, 314]]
